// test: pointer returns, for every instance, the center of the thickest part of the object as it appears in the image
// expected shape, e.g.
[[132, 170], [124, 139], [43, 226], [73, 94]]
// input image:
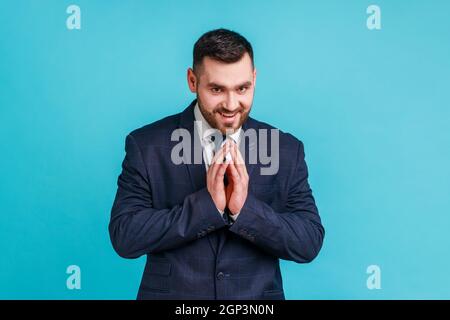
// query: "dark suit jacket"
[[164, 211]]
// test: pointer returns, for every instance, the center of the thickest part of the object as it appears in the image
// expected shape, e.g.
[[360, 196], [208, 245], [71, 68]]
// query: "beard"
[[211, 117]]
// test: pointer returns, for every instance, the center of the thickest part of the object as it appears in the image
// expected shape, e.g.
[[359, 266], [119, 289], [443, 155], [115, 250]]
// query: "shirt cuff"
[[234, 216], [221, 212]]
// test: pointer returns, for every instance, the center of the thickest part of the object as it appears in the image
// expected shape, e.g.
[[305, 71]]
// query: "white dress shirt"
[[208, 146]]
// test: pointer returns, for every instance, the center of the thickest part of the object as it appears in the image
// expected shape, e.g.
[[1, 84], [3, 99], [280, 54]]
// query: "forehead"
[[227, 74]]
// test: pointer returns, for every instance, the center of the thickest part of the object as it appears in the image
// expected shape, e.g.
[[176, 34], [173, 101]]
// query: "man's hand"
[[215, 176], [237, 189]]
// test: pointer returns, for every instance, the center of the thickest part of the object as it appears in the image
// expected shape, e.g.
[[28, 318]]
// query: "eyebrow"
[[216, 85]]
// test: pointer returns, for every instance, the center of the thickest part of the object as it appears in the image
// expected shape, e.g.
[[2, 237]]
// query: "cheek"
[[247, 101], [211, 102], [207, 97]]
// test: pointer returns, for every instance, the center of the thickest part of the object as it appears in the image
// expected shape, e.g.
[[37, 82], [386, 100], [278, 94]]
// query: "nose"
[[232, 103]]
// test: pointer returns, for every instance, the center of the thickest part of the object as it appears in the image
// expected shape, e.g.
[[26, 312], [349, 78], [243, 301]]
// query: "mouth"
[[228, 118]]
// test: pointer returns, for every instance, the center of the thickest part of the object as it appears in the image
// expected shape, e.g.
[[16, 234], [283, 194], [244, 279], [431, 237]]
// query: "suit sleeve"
[[136, 228], [295, 234]]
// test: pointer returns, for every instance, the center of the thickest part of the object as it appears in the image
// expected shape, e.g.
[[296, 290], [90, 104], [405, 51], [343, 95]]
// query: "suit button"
[[220, 276], [201, 234]]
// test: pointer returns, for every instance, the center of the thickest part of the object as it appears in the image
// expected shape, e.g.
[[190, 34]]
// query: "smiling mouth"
[[229, 116]]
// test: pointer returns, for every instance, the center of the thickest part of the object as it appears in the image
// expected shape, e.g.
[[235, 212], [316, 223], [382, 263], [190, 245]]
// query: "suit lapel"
[[197, 172], [250, 148]]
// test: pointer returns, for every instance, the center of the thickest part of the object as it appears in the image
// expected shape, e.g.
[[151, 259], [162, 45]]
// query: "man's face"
[[224, 91]]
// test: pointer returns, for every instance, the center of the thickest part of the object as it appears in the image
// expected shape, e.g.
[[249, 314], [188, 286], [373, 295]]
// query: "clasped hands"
[[233, 195]]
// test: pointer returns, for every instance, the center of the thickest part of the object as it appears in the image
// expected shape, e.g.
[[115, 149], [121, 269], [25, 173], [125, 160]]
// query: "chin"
[[228, 126], [225, 127]]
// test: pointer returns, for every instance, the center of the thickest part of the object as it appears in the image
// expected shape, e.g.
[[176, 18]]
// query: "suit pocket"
[[156, 277]]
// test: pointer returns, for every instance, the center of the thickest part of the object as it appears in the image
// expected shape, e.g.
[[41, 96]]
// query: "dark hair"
[[222, 45]]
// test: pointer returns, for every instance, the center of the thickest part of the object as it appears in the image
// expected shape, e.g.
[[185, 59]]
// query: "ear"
[[192, 80], [254, 77]]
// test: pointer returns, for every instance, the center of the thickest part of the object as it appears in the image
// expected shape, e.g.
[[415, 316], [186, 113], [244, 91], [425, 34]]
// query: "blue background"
[[372, 108]]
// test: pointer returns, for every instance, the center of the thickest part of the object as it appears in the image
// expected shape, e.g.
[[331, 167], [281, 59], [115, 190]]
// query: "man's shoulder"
[[157, 132]]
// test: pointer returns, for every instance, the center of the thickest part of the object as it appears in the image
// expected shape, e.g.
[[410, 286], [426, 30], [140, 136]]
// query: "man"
[[215, 228]]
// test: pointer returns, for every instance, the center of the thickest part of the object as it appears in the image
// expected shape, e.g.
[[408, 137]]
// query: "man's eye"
[[215, 90], [242, 89]]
